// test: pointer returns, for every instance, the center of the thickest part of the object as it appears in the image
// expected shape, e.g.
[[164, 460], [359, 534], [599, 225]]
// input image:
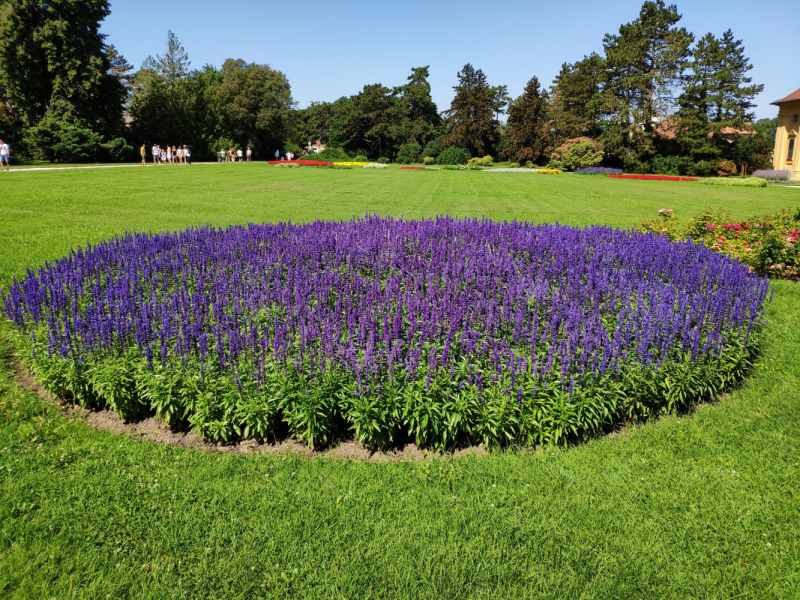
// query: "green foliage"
[[330, 155], [577, 100], [360, 158], [429, 160], [736, 181], [471, 117], [527, 127], [666, 165], [727, 168], [408, 153], [476, 162], [434, 147], [383, 160], [116, 150], [59, 136], [453, 155], [577, 153]]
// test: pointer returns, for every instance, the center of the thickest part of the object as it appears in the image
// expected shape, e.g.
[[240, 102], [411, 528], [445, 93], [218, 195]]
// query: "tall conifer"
[[527, 125], [471, 115]]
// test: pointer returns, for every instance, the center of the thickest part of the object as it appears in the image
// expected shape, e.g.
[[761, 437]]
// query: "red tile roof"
[[795, 95]]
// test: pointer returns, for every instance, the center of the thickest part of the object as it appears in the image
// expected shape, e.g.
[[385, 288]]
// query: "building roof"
[[795, 95]]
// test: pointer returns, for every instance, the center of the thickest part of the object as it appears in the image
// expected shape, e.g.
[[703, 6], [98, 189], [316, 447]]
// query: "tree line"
[[656, 100]]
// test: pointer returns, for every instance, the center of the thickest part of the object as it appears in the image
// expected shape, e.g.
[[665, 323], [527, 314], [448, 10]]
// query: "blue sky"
[[332, 49]]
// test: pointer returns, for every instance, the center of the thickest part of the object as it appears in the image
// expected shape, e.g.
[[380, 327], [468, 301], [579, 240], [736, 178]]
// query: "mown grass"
[[703, 505]]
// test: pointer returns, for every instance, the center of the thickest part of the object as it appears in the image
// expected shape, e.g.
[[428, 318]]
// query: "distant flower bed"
[[598, 171], [773, 174], [302, 163], [352, 164], [736, 181], [375, 166], [438, 331], [653, 177], [413, 168], [548, 171], [767, 244]]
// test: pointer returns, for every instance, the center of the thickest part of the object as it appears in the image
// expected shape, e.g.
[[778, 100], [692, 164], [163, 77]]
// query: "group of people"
[[233, 155], [286, 155], [168, 156]]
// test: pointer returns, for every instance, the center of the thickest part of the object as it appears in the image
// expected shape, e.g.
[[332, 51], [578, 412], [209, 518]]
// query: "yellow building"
[[787, 144]]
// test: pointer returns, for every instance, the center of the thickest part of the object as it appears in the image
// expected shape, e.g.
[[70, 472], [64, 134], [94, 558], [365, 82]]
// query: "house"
[[787, 154]]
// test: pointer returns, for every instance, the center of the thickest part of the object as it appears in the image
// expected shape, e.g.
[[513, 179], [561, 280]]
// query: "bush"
[[736, 181], [665, 165], [577, 153], [360, 158], [727, 168], [117, 150], [429, 160], [513, 166], [433, 148], [384, 160], [767, 244], [292, 147], [704, 168], [330, 155], [479, 163], [408, 153], [453, 156], [530, 165], [60, 140], [773, 174]]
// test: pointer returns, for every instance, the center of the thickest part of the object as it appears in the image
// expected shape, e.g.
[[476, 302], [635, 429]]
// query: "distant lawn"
[[705, 505]]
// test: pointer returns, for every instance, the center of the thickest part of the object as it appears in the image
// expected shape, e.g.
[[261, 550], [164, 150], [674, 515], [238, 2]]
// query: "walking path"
[[23, 169]]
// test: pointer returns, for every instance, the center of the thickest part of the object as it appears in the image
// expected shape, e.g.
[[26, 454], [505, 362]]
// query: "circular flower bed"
[[437, 331]]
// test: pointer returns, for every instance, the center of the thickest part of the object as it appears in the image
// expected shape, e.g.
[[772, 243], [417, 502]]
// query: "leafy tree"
[[453, 155], [409, 153], [576, 103], [366, 121], [527, 124], [471, 116], [644, 66]]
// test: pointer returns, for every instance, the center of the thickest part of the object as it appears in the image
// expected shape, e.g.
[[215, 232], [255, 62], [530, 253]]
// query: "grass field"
[[704, 505]]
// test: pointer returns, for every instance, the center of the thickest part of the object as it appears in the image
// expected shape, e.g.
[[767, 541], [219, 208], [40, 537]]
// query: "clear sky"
[[332, 49]]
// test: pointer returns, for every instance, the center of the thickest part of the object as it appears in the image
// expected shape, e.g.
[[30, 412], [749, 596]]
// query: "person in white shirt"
[[156, 153], [5, 154], [249, 154], [239, 154]]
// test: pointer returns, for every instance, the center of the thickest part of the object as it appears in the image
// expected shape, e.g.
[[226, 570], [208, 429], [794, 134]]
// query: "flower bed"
[[437, 331], [767, 244], [302, 163], [736, 181], [598, 171], [773, 174], [653, 177], [414, 168], [353, 164]]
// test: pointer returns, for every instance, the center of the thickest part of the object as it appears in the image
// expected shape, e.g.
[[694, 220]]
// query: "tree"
[[576, 100], [53, 53], [500, 99], [644, 66], [416, 116], [527, 124], [365, 122], [471, 119], [256, 103]]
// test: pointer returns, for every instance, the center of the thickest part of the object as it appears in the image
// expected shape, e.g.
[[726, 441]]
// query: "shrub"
[[408, 153], [116, 150], [240, 331], [704, 168], [529, 165], [360, 158], [384, 160], [453, 156], [577, 153], [479, 163], [599, 171], [736, 181], [666, 165], [330, 155], [513, 166], [767, 244], [773, 174], [727, 168], [433, 148], [429, 160]]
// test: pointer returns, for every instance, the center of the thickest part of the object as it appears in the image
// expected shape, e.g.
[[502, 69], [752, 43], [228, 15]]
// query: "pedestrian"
[[143, 152], [187, 155], [163, 156], [179, 151], [169, 154], [5, 155], [277, 154], [156, 154], [249, 154], [239, 154]]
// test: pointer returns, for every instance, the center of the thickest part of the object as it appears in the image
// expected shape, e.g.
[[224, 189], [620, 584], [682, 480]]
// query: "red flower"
[[653, 177]]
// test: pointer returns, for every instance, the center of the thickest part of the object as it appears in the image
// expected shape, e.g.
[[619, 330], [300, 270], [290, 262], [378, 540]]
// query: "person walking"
[[239, 154], [187, 155], [180, 155], [249, 154], [163, 156], [277, 154], [5, 156], [156, 153], [143, 152]]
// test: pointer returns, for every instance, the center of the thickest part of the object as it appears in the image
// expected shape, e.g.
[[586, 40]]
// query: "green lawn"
[[705, 505]]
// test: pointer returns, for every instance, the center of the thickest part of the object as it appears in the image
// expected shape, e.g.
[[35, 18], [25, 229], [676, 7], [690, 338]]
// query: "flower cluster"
[[414, 168], [548, 171], [767, 244], [599, 171], [653, 177], [375, 166], [353, 164], [773, 174], [302, 163], [436, 331]]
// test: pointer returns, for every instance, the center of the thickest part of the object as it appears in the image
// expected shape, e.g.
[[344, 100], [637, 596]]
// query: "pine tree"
[[644, 66], [527, 122], [576, 100], [416, 117], [471, 116]]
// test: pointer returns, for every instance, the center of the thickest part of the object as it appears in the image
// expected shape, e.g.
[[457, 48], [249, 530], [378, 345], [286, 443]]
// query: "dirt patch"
[[153, 430]]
